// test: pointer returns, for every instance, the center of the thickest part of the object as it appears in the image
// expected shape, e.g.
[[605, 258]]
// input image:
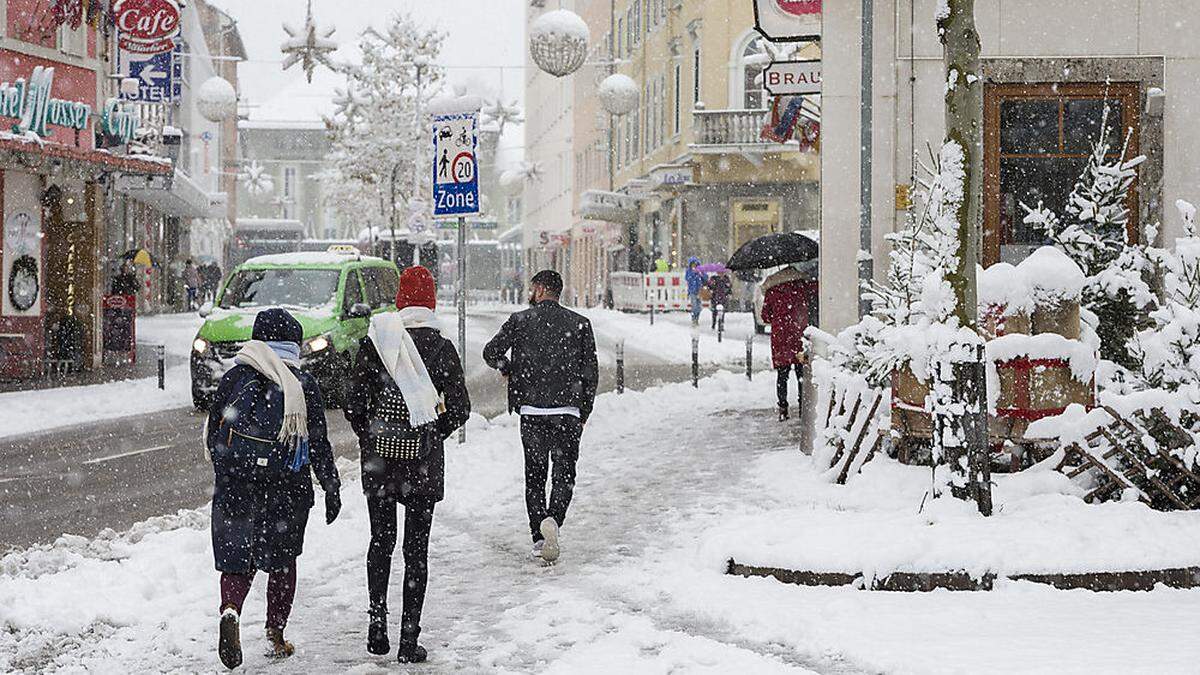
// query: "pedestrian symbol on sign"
[[455, 174]]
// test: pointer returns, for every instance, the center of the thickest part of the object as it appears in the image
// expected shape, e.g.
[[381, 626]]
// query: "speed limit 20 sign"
[[455, 168]]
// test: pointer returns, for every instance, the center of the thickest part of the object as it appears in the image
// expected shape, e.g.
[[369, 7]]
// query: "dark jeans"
[[549, 438], [418, 518], [781, 385], [281, 592]]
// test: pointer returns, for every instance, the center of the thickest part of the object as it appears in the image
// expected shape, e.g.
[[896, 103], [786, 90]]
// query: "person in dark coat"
[[406, 375], [548, 354], [266, 436], [785, 309], [721, 289]]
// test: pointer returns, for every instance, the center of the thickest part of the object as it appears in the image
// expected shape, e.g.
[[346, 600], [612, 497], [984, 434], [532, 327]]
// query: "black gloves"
[[333, 506]]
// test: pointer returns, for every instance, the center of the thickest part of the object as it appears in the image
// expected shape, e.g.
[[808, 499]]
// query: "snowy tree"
[[1093, 232], [1168, 352], [380, 135]]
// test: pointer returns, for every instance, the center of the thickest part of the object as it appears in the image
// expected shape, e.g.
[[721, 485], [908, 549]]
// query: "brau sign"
[[792, 78]]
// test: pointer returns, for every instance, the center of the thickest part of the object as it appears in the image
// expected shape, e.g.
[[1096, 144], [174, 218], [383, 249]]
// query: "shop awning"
[[175, 194], [41, 156]]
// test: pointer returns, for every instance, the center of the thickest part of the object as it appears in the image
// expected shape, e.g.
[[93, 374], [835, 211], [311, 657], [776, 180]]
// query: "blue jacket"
[[258, 518], [695, 278]]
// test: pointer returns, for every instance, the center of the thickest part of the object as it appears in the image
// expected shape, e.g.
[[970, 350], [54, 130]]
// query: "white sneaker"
[[549, 530], [537, 550]]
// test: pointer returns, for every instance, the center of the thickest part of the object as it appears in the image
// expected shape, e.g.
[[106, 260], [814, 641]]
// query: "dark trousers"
[[418, 519], [781, 385], [549, 439], [281, 593]]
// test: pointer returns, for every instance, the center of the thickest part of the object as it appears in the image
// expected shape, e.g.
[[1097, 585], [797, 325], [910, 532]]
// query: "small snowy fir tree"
[[381, 129], [1093, 232], [1169, 350]]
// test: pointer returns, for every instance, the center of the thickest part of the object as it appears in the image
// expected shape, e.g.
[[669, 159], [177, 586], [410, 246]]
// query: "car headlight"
[[318, 344], [200, 345]]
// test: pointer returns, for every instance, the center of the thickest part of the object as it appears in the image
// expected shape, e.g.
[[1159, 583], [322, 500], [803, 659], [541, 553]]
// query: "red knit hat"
[[417, 289]]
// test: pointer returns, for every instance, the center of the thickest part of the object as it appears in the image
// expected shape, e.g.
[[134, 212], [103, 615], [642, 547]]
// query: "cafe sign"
[[788, 20], [31, 103], [146, 26]]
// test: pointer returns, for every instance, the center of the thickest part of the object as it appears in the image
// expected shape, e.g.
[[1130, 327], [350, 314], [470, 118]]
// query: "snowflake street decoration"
[[501, 114], [530, 172], [558, 42], [309, 46], [347, 101], [256, 180]]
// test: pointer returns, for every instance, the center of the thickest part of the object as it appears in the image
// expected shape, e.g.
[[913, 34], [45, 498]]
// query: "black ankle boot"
[[411, 652], [377, 635]]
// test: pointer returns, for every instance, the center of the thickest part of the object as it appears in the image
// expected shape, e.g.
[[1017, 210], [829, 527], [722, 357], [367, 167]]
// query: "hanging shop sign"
[[793, 78], [788, 20], [612, 207], [146, 26], [30, 102]]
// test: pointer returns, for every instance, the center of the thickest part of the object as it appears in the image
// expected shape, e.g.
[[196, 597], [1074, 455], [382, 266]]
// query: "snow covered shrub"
[[1169, 350], [1094, 233]]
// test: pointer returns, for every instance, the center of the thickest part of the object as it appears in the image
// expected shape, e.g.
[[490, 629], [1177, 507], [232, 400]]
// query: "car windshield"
[[280, 287]]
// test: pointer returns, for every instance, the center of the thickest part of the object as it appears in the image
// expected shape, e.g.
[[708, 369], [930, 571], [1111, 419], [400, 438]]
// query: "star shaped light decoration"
[[256, 180], [530, 172], [308, 46], [346, 102], [496, 111]]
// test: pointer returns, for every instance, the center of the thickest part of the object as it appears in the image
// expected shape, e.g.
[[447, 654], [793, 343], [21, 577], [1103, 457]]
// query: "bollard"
[[651, 313], [720, 322], [161, 350], [696, 361], [621, 367], [750, 356]]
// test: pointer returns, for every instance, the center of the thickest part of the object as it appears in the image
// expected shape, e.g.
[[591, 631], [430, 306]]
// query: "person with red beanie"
[[406, 396]]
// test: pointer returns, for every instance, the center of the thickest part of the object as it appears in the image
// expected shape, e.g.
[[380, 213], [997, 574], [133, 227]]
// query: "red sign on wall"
[[800, 7], [146, 26]]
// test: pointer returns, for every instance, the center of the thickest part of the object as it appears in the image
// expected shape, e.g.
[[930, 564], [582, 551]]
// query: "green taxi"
[[333, 294]]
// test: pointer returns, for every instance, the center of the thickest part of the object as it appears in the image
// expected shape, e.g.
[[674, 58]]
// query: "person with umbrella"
[[785, 310]]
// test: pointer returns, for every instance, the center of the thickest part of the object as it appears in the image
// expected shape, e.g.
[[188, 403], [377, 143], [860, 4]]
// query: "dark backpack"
[[247, 439]]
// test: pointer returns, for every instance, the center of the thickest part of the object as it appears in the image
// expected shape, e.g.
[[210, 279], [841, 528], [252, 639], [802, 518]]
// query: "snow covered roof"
[[308, 258]]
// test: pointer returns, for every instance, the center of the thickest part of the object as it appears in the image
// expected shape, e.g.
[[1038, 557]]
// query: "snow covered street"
[[640, 588]]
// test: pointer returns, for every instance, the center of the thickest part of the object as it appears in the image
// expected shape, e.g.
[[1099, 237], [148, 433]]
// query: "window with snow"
[[1037, 139]]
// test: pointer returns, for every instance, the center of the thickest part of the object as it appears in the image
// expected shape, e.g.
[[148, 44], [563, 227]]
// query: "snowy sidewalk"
[[664, 477]]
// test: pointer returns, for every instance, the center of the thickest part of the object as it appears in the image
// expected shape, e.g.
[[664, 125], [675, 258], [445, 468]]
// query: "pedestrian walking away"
[[191, 280], [695, 282], [406, 396], [548, 354], [266, 437], [721, 290], [785, 309]]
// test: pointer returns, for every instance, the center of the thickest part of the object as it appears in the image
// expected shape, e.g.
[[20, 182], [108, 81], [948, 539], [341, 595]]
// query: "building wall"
[[1022, 41], [301, 149]]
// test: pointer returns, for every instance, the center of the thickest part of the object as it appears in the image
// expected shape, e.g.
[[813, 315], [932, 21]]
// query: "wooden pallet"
[[862, 425], [1124, 456]]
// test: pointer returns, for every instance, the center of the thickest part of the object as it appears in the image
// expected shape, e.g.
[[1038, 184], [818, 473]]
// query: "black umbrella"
[[773, 250]]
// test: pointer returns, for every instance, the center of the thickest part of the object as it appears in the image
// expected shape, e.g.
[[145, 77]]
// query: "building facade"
[[692, 154], [1046, 91]]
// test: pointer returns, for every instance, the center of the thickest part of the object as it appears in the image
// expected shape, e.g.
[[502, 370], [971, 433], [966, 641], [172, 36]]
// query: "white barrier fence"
[[664, 291]]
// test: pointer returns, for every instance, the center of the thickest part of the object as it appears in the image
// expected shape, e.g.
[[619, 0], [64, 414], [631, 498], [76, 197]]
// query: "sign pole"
[[462, 304]]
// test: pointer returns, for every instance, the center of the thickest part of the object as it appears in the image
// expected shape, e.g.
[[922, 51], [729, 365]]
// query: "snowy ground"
[[23, 412], [663, 475]]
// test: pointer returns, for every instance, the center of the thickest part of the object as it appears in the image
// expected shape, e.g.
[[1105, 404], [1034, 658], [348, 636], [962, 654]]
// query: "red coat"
[[785, 308]]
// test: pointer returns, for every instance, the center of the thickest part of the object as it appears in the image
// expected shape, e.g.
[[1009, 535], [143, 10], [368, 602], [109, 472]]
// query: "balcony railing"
[[730, 129]]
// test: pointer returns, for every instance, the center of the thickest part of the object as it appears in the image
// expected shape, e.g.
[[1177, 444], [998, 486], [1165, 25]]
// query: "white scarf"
[[259, 356], [389, 334]]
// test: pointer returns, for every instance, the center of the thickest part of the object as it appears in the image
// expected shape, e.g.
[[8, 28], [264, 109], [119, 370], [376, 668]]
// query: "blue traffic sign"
[[455, 165], [159, 77]]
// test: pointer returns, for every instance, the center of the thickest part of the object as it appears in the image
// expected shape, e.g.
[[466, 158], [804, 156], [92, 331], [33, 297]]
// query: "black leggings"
[[781, 385], [418, 518]]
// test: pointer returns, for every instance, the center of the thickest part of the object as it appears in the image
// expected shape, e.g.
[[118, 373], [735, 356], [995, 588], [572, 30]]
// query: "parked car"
[[333, 294]]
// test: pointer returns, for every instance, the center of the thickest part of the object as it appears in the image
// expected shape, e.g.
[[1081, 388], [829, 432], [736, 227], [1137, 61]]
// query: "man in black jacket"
[[548, 354]]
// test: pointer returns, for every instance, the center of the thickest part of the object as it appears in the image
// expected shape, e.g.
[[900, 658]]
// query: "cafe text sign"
[[31, 103], [788, 20], [146, 26]]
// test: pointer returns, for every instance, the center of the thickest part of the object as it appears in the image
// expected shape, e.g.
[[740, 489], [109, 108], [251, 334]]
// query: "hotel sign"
[[30, 102]]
